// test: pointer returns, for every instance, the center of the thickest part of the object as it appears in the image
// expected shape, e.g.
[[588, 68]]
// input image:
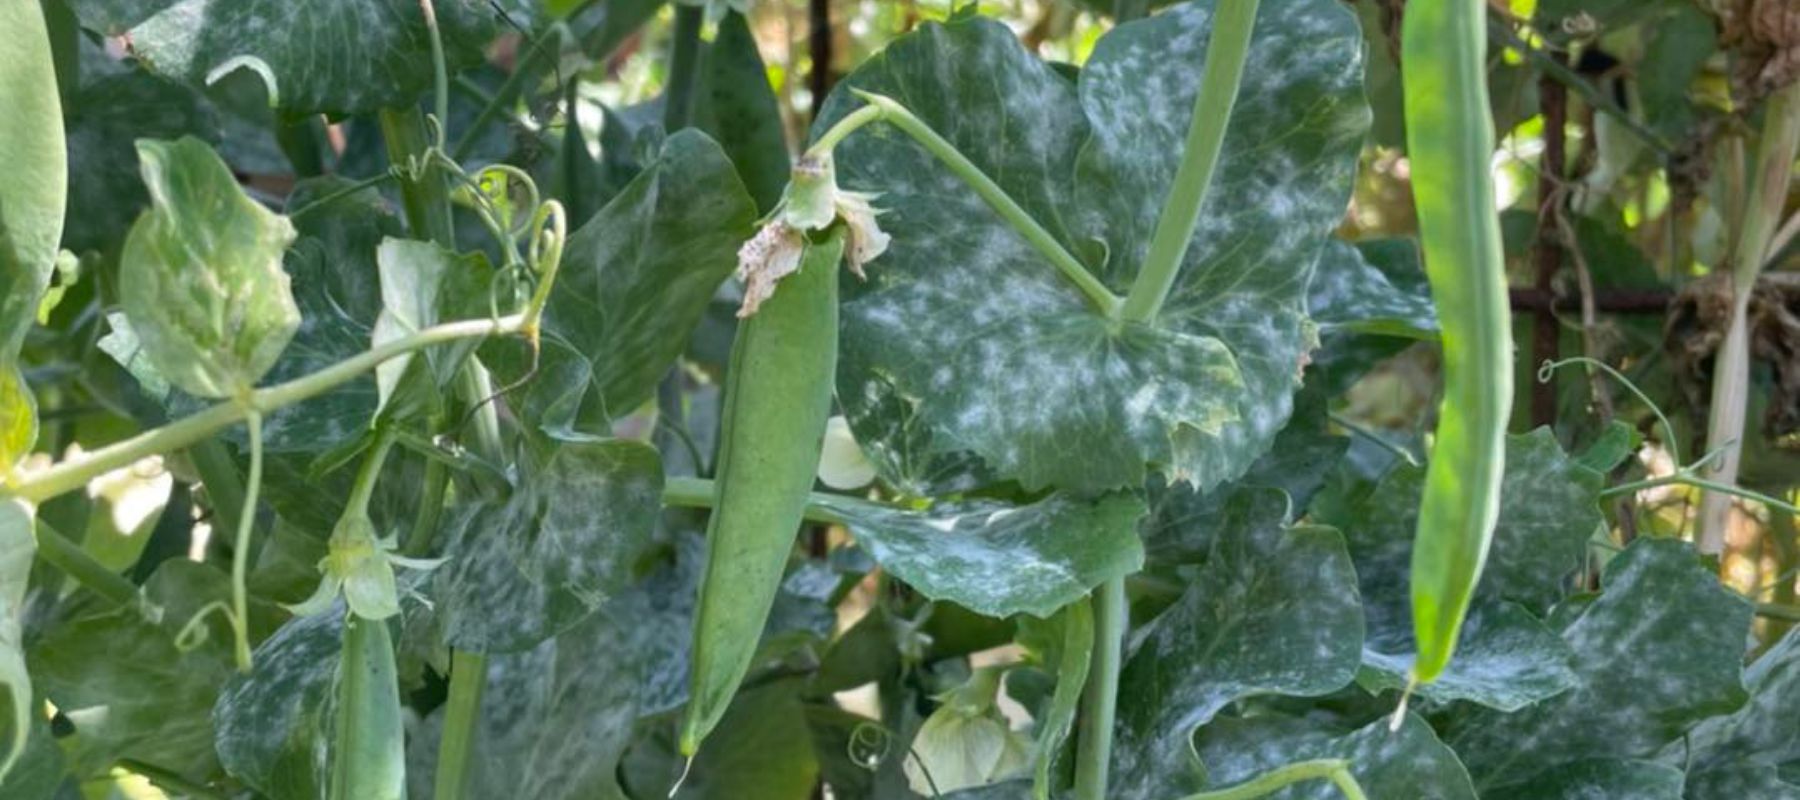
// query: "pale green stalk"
[[1100, 701], [1332, 769]]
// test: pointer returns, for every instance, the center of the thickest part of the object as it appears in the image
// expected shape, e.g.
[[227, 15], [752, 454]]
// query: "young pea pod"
[[1450, 141], [777, 399], [369, 762]]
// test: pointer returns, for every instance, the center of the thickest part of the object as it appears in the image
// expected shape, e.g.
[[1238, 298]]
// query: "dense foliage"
[[380, 416]]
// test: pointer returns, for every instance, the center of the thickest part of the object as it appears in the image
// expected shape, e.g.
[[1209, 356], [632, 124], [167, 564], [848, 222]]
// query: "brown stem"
[[1546, 251]]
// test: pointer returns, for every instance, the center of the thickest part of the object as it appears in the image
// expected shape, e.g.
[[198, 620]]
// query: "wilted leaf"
[[996, 558], [1002, 356], [1272, 611], [201, 278]]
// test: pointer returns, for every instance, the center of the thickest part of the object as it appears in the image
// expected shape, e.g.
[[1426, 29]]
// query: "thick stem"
[[431, 508], [1731, 370], [69, 476], [1335, 770], [63, 553], [1227, 47], [240, 549], [684, 67], [302, 140], [1093, 755], [219, 474], [468, 678], [440, 73], [424, 189], [886, 109]]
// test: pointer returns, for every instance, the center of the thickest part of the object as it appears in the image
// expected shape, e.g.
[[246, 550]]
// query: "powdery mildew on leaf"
[[1656, 652], [1350, 293], [999, 355], [567, 540], [998, 559], [634, 282], [326, 56], [1273, 611], [1507, 659], [1739, 782], [273, 728], [1600, 779], [1409, 763], [1764, 730]]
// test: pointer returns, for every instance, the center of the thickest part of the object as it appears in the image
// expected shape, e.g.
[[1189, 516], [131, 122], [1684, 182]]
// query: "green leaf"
[[1272, 611], [338, 57], [1072, 647], [34, 193], [1408, 763], [18, 415], [1600, 779], [1350, 294], [999, 353], [635, 280], [423, 284], [1738, 782], [41, 772], [1658, 651], [18, 544], [200, 277], [999, 559], [126, 687], [568, 539], [738, 107], [1508, 659], [1762, 731], [109, 113], [272, 727]]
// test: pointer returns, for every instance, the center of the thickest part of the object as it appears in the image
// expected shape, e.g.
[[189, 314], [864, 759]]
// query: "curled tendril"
[[1548, 369], [193, 633], [868, 745]]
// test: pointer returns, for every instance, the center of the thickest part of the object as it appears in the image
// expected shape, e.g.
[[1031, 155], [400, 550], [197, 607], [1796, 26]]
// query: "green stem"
[[698, 493], [1402, 453], [440, 73], [544, 51], [1335, 770], [363, 488], [1778, 611], [431, 508], [65, 47], [240, 550], [1775, 152], [219, 474], [424, 190], [684, 67], [1687, 478], [887, 110], [302, 140], [468, 678], [1500, 31], [64, 554], [340, 194], [1093, 757], [69, 476], [1227, 48]]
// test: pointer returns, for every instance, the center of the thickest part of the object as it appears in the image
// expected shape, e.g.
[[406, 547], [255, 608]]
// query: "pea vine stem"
[[1100, 698], [71, 475], [1227, 48], [468, 679], [240, 548], [1332, 769], [886, 109]]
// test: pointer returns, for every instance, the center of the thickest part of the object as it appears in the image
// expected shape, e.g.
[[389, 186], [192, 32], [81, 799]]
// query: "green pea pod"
[[1450, 141], [369, 756], [777, 399]]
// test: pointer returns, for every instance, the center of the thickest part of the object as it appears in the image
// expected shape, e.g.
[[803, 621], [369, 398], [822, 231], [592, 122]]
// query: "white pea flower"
[[812, 202], [362, 567]]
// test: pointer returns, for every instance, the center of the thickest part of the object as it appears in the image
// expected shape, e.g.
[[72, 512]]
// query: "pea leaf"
[[130, 692], [1657, 652], [737, 107], [422, 284], [1408, 763], [105, 117], [1272, 611], [1507, 659], [635, 279], [18, 544], [200, 277], [1736, 782], [41, 772], [18, 415], [995, 558], [338, 57], [272, 727], [566, 541], [33, 195], [1351, 294], [1762, 731], [1600, 779], [1004, 358]]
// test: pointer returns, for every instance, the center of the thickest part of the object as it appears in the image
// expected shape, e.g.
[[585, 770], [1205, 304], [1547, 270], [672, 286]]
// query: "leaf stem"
[[63, 553], [698, 493], [240, 548], [888, 110], [468, 678], [69, 476], [1333, 769], [1093, 757], [1227, 48], [1686, 477]]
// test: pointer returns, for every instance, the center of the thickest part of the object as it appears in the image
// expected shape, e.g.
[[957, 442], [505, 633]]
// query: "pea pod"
[[777, 399], [1450, 141], [370, 758]]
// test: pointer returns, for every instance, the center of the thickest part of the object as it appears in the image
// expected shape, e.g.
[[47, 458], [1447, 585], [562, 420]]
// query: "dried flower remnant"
[[773, 254], [812, 202]]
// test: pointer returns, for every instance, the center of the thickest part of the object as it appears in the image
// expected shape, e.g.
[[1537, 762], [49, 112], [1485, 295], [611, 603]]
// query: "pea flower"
[[812, 202], [362, 567]]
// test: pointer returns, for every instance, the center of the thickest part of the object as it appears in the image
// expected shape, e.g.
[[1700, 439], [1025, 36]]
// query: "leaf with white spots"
[[1507, 659], [1350, 293], [1738, 782], [999, 559], [521, 570], [1763, 731], [977, 337], [635, 281], [325, 56], [1272, 611], [1599, 779], [1409, 763], [273, 727], [1657, 652]]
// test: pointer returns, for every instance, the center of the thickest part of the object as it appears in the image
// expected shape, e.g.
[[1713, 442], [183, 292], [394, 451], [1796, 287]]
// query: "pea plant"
[[1205, 400]]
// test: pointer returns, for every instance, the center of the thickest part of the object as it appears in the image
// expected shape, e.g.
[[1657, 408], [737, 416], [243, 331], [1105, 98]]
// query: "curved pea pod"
[[200, 277], [777, 399], [369, 752], [1449, 134]]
